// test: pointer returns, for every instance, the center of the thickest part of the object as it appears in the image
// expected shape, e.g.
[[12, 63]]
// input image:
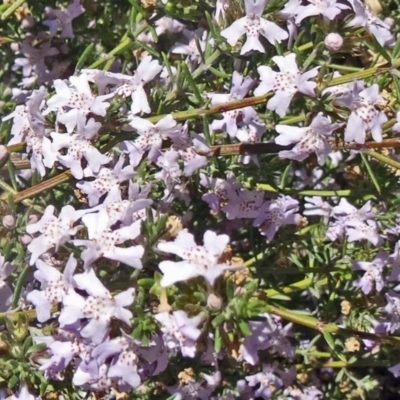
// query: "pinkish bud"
[[8, 222], [25, 239], [15, 47], [333, 42], [214, 301], [28, 22], [389, 21]]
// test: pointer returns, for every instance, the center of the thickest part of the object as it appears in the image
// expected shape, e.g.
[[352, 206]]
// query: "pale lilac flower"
[[364, 115], [190, 147], [150, 137], [373, 277], [221, 7], [221, 190], [190, 49], [180, 332], [62, 19], [29, 126], [124, 212], [79, 146], [170, 172], [28, 119], [284, 83], [229, 122], [266, 334], [103, 242], [54, 287], [197, 260], [371, 23], [317, 206], [195, 389], [392, 310], [124, 356], [36, 55], [357, 224], [62, 348], [336, 230], [167, 24], [53, 230], [253, 25], [308, 178], [276, 213], [313, 138], [6, 269], [90, 375], [328, 8], [23, 394], [250, 133], [395, 370], [75, 101], [130, 86], [243, 203], [99, 307], [268, 381], [298, 392], [289, 13], [106, 180], [42, 155]]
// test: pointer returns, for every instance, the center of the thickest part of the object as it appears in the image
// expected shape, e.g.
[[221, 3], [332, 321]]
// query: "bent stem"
[[320, 326]]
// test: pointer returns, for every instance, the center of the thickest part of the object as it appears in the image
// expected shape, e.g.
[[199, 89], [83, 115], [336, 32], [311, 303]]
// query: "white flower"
[[284, 83], [253, 25], [197, 260]]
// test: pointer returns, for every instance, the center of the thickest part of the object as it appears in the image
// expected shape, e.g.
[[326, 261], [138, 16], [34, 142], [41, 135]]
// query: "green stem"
[[322, 193], [11, 10], [320, 326], [384, 159], [124, 45]]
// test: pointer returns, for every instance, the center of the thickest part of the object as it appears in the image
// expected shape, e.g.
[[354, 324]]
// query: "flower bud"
[[25, 239], [8, 222], [28, 22], [333, 42], [214, 301], [389, 21]]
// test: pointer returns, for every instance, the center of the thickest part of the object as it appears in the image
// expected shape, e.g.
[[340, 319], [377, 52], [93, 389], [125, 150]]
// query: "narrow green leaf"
[[371, 173], [396, 49], [285, 175], [217, 341], [85, 55], [329, 339], [219, 73], [244, 328], [206, 131], [378, 47], [191, 83]]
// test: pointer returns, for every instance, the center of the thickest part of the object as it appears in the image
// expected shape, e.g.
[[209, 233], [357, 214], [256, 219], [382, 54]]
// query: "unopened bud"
[[8, 222], [25, 239], [389, 21], [214, 301], [28, 22], [333, 42]]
